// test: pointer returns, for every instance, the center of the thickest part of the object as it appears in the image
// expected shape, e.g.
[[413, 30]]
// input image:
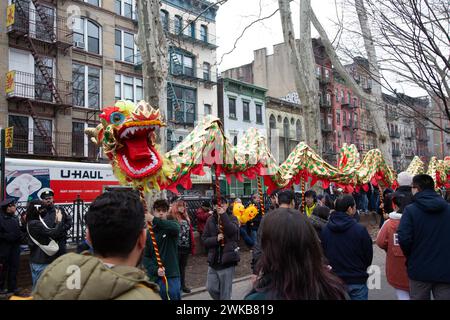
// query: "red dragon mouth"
[[138, 157]]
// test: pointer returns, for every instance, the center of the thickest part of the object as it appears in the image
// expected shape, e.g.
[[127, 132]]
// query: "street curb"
[[203, 289]]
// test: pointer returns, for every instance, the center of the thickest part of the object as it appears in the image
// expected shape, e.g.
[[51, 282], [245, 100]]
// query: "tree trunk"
[[376, 110], [374, 102], [303, 64], [152, 44]]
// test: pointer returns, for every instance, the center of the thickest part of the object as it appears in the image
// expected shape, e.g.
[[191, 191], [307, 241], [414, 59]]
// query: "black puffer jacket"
[[42, 235], [222, 257]]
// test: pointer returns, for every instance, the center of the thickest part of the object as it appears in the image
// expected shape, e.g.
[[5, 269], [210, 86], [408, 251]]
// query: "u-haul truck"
[[27, 179]]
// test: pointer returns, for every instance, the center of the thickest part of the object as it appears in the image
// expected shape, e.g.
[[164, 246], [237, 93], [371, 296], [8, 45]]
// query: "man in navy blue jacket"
[[348, 247], [424, 236]]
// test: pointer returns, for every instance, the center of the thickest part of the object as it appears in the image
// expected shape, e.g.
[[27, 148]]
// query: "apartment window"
[[208, 109], [77, 139], [86, 86], [344, 118], [20, 133], [192, 29], [298, 130], [128, 88], [338, 118], [349, 97], [181, 104], [259, 113], [42, 141], [125, 47], [118, 44], [235, 140], [41, 90], [87, 36], [128, 47], [40, 28], [206, 71], [342, 96], [246, 110], [328, 97], [336, 94], [232, 108], [327, 74], [182, 63], [93, 2], [118, 7], [178, 24], [125, 8], [204, 33], [164, 19]]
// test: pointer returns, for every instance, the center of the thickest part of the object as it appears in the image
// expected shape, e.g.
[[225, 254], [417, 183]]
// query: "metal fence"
[[78, 209]]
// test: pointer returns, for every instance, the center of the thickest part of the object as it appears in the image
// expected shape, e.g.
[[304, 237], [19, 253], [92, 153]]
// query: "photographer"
[[43, 247], [50, 219]]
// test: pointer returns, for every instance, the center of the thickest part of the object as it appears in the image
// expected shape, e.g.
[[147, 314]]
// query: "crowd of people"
[[314, 251]]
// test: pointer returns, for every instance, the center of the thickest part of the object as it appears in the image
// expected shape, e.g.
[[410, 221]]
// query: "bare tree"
[[413, 44], [414, 38], [302, 59], [303, 62]]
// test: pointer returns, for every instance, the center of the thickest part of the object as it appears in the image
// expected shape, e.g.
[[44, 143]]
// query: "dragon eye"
[[117, 118]]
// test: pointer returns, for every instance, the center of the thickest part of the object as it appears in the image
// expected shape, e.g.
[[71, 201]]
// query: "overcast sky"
[[235, 15]]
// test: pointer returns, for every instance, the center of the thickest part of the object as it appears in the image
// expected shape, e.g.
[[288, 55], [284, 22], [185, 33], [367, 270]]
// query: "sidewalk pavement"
[[381, 291]]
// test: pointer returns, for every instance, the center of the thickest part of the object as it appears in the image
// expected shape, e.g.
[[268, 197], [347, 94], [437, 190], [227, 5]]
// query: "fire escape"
[[54, 35]]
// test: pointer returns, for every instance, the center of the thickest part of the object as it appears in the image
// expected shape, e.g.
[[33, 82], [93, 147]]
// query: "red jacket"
[[395, 259], [202, 216]]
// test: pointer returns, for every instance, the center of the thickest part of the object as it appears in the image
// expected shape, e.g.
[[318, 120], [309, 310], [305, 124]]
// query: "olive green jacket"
[[84, 277]]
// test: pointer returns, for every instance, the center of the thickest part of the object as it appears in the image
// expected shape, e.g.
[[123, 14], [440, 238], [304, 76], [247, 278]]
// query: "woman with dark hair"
[[39, 232], [292, 266], [186, 241]]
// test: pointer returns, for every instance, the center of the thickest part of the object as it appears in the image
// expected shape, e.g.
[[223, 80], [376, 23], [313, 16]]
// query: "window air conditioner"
[[79, 44]]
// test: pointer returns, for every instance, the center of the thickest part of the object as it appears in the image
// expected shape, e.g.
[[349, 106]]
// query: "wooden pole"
[[155, 244], [261, 195], [218, 197]]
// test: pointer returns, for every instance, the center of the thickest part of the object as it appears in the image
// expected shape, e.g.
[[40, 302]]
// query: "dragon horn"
[[92, 134]]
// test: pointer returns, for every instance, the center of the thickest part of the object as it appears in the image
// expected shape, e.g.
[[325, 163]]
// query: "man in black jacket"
[[221, 236], [10, 239], [424, 236], [348, 247], [50, 219]]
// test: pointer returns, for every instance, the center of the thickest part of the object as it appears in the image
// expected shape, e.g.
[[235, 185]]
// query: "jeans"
[[247, 239], [254, 235], [36, 271], [402, 294], [364, 203], [174, 288], [358, 291]]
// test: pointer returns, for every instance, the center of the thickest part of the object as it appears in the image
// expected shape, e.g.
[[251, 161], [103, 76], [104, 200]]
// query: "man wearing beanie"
[[404, 180]]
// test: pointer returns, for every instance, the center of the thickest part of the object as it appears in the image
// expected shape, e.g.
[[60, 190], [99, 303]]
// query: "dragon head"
[[127, 135]]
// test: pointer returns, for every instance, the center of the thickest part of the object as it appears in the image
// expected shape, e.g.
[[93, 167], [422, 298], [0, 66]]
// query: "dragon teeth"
[[140, 171], [129, 132]]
